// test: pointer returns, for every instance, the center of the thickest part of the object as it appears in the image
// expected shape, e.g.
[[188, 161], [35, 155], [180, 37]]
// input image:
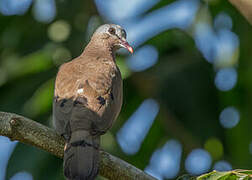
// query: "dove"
[[88, 97]]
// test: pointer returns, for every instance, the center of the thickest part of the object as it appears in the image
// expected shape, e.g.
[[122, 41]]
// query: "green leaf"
[[213, 175], [225, 175]]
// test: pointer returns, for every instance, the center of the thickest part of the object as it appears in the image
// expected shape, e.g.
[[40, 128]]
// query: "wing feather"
[[89, 93]]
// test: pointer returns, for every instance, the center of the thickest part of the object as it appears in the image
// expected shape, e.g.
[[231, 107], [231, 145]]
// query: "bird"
[[88, 97]]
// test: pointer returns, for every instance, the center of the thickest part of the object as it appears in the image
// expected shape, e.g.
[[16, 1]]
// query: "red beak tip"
[[131, 50]]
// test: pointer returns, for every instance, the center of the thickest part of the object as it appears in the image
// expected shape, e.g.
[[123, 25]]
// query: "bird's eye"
[[124, 33], [111, 31]]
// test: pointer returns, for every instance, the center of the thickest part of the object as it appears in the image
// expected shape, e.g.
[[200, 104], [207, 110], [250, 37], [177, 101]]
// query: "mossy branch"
[[30, 132]]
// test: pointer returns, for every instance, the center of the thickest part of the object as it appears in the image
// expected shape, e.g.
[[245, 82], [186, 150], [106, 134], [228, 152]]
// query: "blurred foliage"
[[182, 82]]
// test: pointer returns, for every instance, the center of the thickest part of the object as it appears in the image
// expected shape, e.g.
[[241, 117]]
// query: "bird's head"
[[115, 35]]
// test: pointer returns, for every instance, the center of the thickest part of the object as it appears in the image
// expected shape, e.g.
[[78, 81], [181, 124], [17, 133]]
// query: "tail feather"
[[81, 157]]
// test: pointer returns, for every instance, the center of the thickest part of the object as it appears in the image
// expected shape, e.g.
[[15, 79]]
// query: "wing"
[[88, 95]]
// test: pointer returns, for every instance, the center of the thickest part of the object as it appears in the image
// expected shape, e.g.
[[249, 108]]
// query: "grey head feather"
[[112, 30]]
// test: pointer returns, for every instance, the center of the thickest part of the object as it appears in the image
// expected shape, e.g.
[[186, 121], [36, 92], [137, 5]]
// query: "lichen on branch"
[[30, 132]]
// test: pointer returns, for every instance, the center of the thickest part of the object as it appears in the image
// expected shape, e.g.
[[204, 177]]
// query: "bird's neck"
[[99, 48]]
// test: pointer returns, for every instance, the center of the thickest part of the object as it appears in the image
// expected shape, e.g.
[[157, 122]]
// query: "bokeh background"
[[187, 88]]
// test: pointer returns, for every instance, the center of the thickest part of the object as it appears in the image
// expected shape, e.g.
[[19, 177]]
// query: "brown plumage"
[[87, 100]]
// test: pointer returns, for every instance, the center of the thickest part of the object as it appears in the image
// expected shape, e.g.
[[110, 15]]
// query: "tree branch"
[[20, 128]]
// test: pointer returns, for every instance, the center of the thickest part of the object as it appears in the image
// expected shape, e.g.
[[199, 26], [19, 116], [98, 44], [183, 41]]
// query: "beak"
[[126, 45]]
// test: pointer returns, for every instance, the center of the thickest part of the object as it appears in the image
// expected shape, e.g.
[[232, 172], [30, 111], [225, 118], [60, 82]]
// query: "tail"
[[81, 156]]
